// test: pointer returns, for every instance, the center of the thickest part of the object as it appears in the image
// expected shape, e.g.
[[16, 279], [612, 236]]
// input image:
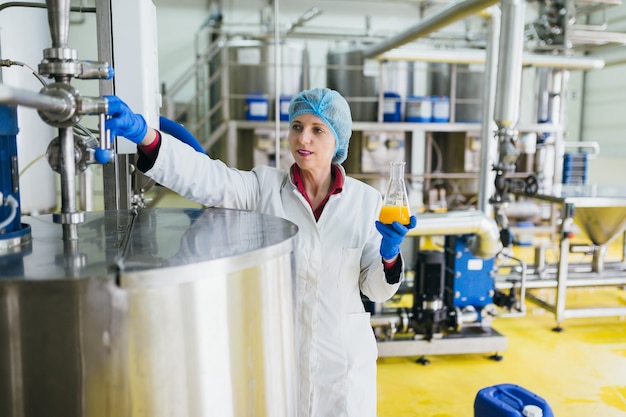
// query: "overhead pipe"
[[486, 178], [308, 15], [509, 80], [507, 112], [442, 18], [277, 83], [59, 22], [485, 239], [476, 56]]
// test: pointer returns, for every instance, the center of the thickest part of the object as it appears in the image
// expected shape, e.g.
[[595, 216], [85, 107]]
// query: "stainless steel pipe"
[[487, 150], [475, 56], [19, 97], [69, 216], [444, 17], [485, 241], [59, 21], [509, 78]]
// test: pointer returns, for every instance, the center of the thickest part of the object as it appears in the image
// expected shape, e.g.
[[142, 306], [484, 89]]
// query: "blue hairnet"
[[334, 111]]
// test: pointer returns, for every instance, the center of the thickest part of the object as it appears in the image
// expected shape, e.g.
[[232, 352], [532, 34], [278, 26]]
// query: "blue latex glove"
[[123, 121], [393, 235]]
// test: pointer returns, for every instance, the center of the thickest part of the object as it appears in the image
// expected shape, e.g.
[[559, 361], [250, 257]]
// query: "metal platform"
[[600, 213], [468, 340]]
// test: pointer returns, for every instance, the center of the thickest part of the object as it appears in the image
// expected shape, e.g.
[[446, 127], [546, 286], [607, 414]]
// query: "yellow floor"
[[580, 372]]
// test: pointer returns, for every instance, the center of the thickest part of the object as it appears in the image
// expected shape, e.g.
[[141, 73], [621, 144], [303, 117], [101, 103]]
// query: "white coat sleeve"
[[204, 180]]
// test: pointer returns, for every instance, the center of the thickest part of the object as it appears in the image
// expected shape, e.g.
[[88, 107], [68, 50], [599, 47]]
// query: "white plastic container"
[[418, 109], [441, 109]]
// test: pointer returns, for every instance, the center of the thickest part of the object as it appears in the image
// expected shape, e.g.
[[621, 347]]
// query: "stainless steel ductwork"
[[168, 312], [444, 17], [485, 241]]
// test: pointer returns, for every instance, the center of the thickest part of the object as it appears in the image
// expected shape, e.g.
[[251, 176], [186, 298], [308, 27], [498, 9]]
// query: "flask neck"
[[397, 170]]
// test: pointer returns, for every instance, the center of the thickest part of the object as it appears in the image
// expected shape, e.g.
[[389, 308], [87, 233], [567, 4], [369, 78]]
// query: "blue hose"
[[179, 132]]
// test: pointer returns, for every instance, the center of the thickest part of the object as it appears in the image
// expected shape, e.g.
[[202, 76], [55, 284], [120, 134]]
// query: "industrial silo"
[[251, 74], [349, 73]]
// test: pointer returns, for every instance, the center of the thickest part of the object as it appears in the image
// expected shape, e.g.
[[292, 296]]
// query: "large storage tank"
[[164, 313], [349, 73], [251, 70], [469, 81], [345, 73]]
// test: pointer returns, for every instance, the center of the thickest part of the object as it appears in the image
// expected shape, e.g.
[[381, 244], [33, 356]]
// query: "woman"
[[339, 251]]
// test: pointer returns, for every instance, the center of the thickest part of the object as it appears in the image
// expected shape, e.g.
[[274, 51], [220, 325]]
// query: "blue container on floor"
[[510, 400]]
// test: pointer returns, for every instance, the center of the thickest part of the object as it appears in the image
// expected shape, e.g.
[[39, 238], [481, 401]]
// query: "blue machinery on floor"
[[453, 302], [456, 293]]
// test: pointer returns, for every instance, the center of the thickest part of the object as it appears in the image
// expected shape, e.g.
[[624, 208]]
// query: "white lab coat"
[[336, 258]]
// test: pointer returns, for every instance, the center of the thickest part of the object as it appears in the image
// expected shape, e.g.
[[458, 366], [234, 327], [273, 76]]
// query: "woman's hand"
[[124, 122], [393, 235]]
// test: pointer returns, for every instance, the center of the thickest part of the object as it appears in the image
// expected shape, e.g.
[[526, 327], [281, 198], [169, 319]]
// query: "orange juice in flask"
[[396, 202]]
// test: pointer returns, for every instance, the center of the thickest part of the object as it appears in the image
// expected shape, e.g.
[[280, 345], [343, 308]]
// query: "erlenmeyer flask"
[[396, 203]]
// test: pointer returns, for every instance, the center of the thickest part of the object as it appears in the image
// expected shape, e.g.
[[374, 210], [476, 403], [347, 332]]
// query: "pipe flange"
[[62, 54], [507, 132], [75, 217], [57, 68], [68, 117], [82, 154]]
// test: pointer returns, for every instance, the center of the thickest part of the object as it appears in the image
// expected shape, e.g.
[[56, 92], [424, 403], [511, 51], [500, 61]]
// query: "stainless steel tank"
[[165, 312], [348, 73], [251, 69], [345, 73], [468, 91]]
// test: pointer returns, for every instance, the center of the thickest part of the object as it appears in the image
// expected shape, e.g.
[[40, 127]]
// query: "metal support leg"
[[561, 289]]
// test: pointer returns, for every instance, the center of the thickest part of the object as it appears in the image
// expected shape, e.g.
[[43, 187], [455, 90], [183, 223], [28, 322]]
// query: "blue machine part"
[[469, 279], [9, 175], [575, 168]]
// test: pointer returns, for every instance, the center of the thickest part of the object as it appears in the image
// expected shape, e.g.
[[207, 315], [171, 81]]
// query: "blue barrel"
[[510, 400], [285, 100], [392, 107], [418, 109], [257, 107]]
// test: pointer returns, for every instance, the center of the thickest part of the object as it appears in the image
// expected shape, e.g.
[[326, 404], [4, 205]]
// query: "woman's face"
[[311, 142]]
